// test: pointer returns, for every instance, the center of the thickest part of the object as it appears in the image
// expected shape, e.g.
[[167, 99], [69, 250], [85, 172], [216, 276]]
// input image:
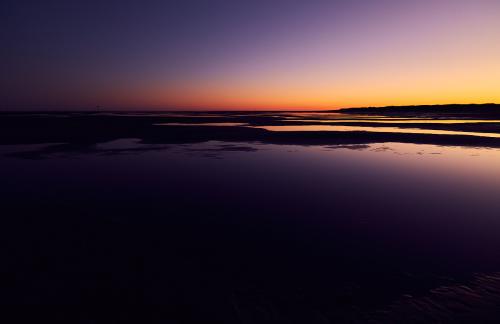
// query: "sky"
[[239, 54]]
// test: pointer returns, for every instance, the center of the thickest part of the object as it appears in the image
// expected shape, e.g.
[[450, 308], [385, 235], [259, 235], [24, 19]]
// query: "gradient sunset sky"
[[258, 54]]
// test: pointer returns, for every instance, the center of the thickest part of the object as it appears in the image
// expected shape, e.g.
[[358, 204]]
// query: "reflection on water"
[[385, 120], [331, 121], [340, 128], [247, 232], [201, 124]]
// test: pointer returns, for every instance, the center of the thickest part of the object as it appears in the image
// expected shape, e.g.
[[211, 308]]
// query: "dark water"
[[247, 232]]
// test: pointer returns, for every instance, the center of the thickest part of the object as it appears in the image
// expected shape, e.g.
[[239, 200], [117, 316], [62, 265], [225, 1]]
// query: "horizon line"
[[101, 109]]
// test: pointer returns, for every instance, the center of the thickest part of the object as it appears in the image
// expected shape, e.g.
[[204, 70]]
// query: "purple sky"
[[198, 54]]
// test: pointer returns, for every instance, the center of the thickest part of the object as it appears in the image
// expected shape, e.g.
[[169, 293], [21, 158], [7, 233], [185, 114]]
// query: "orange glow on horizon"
[[323, 55]]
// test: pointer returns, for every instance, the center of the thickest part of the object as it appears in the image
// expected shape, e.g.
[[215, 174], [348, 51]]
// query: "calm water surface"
[[337, 128], [228, 232]]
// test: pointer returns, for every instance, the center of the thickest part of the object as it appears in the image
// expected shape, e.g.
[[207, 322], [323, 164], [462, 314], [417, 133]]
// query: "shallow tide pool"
[[232, 230]]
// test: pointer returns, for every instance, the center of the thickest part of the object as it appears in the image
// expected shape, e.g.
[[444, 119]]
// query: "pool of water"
[[230, 232], [385, 120], [382, 129], [202, 124]]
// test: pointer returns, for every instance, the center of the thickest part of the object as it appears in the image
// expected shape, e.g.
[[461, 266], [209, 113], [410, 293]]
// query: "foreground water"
[[245, 232]]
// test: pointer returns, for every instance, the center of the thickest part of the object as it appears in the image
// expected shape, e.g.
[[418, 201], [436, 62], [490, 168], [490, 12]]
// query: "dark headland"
[[489, 110]]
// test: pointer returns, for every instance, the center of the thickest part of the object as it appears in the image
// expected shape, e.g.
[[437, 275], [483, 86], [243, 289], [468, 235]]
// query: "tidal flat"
[[217, 218]]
